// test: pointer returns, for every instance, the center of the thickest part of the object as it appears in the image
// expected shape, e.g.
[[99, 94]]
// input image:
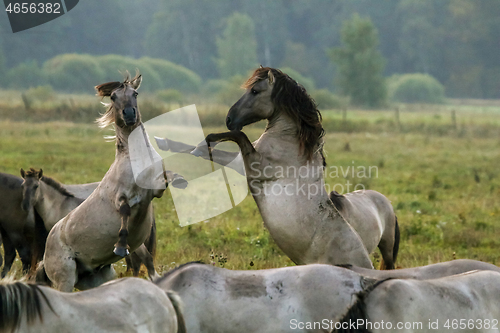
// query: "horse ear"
[[23, 174], [270, 77], [136, 83], [40, 174]]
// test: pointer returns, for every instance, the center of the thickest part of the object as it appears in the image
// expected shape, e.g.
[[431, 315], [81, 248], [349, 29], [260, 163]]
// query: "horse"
[[17, 223], [270, 300], [466, 302], [82, 246], [284, 170], [124, 305], [433, 271], [53, 201]]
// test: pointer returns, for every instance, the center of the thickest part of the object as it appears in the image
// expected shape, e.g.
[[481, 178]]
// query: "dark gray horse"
[[16, 225]]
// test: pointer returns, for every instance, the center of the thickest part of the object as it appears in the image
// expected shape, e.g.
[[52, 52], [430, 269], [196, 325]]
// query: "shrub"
[[73, 72], [113, 64], [173, 76], [170, 96], [41, 93], [26, 75], [416, 88], [327, 100], [306, 82]]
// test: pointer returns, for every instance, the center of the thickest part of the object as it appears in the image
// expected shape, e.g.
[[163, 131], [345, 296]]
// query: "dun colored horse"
[[82, 246], [284, 170], [124, 305], [53, 201]]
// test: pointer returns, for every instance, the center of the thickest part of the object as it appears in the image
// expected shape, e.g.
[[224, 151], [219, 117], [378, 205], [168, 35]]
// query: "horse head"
[[30, 188]]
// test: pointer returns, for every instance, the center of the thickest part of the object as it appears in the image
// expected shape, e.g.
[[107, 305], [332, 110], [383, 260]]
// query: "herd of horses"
[[68, 236]]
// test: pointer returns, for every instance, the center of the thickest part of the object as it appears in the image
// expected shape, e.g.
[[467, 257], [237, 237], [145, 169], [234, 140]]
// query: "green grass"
[[443, 182]]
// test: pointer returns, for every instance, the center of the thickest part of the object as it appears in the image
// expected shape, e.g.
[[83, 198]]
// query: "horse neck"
[[52, 205], [281, 125]]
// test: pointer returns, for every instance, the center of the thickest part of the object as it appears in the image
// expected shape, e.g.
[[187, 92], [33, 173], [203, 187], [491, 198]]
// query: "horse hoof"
[[197, 152], [180, 183], [162, 143], [121, 251]]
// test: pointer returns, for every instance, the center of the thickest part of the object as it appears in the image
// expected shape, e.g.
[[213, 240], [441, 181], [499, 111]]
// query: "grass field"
[[442, 178]]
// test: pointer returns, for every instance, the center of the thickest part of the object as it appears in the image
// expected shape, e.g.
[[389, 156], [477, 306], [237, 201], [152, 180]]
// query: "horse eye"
[[113, 97], [36, 186], [135, 94], [254, 92]]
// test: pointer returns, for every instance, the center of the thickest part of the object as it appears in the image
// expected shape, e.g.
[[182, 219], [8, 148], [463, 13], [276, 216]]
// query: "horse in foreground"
[[124, 305], [433, 271], [17, 223], [466, 302], [53, 201], [284, 170], [270, 300], [82, 246]]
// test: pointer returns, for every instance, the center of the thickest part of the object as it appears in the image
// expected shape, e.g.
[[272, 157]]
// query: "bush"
[[327, 100], [173, 76], [73, 72], [416, 88], [26, 75], [306, 82], [112, 65], [170, 96], [41, 93]]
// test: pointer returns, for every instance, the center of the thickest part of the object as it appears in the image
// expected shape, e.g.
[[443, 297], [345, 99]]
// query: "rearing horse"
[[284, 170], [81, 246]]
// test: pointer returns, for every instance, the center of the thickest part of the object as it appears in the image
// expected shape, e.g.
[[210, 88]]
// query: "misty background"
[[456, 42]]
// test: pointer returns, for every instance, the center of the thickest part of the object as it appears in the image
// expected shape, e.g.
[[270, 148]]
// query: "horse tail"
[[397, 237], [357, 311], [177, 304], [151, 240], [39, 241], [17, 299]]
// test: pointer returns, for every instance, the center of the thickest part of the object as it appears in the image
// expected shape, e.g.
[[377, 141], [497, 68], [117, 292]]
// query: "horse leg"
[[95, 279], [9, 254], [25, 255], [61, 271], [142, 255], [121, 247], [239, 137], [133, 263], [389, 246]]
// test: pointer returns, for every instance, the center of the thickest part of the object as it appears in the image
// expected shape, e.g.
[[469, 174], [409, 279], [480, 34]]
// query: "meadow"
[[439, 170]]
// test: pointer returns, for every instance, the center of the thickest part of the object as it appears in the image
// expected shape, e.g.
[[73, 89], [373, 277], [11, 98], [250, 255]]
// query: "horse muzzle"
[[129, 116]]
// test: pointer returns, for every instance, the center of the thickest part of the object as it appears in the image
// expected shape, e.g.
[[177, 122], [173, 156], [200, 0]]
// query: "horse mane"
[[18, 298], [292, 98], [172, 271], [49, 181], [358, 309], [105, 90]]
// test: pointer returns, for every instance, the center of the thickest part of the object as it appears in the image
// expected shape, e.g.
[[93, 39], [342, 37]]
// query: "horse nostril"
[[228, 121]]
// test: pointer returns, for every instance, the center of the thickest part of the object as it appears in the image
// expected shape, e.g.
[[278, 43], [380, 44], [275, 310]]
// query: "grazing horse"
[[17, 223], [433, 271], [269, 300], [284, 170], [124, 305], [82, 246], [460, 303], [52, 201]]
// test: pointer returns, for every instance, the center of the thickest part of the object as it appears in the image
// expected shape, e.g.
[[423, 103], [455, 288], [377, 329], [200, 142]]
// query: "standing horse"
[[460, 303], [269, 300], [52, 201], [284, 170], [17, 223], [124, 305], [82, 246]]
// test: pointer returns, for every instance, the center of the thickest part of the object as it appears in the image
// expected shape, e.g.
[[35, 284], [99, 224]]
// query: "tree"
[[360, 64], [237, 49]]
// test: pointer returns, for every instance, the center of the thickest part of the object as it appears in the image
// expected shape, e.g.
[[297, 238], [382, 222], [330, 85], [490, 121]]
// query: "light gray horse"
[[53, 201], [466, 302], [270, 300], [82, 246], [284, 170], [124, 305], [433, 271]]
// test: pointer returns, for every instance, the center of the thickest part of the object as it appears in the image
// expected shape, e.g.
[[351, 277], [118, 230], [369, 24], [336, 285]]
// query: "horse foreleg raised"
[[121, 247]]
